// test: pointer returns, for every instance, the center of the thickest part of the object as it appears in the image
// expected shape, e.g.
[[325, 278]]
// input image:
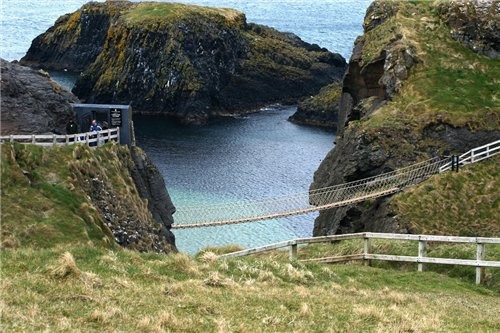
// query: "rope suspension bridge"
[[197, 216]]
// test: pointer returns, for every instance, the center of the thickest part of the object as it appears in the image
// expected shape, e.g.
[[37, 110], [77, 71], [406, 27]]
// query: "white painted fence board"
[[445, 261]]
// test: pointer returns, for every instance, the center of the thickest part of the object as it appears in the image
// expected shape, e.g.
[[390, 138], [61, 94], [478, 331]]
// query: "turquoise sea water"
[[251, 157]]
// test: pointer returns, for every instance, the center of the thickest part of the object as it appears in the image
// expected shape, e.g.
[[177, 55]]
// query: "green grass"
[[44, 194], [325, 100], [94, 289], [153, 13], [464, 203]]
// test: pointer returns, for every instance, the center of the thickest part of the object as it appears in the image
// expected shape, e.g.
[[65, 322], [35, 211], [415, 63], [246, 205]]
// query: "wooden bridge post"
[[366, 250], [422, 253], [292, 252], [480, 254]]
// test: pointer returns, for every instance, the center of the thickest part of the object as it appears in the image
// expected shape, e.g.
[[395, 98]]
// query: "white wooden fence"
[[475, 155], [421, 258], [88, 138]]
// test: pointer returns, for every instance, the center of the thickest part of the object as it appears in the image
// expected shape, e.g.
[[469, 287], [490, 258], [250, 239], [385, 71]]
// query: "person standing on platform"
[[94, 127]]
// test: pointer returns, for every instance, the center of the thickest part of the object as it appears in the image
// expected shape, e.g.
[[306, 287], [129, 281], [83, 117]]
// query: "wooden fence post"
[[480, 253], [33, 139], [292, 252], [366, 250], [422, 253]]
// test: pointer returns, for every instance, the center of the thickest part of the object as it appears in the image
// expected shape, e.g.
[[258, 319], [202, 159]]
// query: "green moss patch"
[[156, 13]]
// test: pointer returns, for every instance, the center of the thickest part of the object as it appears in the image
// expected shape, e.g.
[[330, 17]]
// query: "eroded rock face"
[[194, 65], [129, 194], [474, 23], [151, 186], [32, 103]]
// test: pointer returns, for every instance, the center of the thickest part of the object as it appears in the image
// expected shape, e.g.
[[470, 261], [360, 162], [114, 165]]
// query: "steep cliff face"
[[184, 61], [32, 103], [410, 93]]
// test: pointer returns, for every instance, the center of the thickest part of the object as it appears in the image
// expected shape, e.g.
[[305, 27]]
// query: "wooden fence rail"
[[475, 155], [421, 258], [88, 138]]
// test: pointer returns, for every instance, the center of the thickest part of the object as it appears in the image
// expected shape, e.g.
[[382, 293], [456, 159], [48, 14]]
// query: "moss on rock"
[[411, 92], [185, 61]]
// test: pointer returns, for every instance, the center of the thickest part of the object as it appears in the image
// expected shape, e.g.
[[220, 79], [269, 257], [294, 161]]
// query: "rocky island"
[[422, 82], [184, 61]]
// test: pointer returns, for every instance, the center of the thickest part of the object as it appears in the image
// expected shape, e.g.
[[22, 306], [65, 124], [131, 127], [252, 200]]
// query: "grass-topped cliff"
[[62, 196], [412, 91], [189, 62]]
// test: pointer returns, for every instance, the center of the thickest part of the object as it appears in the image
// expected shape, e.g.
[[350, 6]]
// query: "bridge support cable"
[[323, 198], [302, 203]]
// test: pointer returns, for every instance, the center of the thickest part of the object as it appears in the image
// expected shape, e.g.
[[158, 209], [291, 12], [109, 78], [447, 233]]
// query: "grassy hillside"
[[91, 289], [157, 13], [465, 203]]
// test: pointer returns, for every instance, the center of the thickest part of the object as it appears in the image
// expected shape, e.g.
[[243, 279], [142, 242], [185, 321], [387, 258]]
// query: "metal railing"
[[88, 138], [421, 258]]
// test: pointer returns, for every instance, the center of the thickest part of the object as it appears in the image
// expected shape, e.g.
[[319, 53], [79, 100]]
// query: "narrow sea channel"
[[257, 156]]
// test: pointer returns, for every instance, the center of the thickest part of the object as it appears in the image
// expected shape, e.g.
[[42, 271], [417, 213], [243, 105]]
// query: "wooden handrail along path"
[[421, 258], [197, 216], [88, 138]]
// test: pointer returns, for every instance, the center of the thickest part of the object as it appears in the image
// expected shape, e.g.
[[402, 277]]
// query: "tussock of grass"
[[66, 267]]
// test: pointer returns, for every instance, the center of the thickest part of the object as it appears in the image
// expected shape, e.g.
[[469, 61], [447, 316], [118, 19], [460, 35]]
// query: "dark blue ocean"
[[253, 157]]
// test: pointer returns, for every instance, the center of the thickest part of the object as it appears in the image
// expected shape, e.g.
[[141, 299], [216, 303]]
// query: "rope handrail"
[[195, 216], [305, 202]]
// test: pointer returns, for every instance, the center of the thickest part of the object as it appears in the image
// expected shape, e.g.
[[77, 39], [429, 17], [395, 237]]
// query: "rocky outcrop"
[[475, 23], [151, 187], [188, 62], [128, 199], [390, 118], [320, 110], [32, 103]]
